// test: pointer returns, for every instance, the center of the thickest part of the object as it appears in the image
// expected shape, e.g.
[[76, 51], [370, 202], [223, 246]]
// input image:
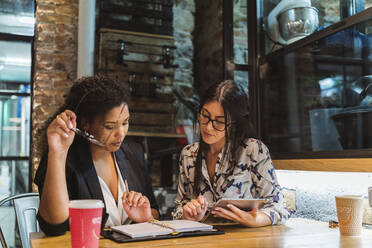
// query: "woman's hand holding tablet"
[[243, 211], [243, 204]]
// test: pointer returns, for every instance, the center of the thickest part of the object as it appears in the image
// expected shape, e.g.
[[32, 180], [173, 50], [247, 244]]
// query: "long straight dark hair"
[[234, 102]]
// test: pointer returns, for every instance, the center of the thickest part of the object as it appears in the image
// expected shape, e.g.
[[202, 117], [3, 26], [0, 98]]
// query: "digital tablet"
[[243, 204]]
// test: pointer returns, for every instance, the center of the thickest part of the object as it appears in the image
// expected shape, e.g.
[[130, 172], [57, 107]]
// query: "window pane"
[[319, 97], [317, 200], [328, 11], [13, 177], [240, 32], [241, 78], [17, 17], [8, 225], [368, 3], [15, 65], [282, 25], [14, 125], [13, 180]]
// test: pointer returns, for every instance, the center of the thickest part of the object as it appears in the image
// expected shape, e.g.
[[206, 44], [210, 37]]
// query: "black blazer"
[[83, 183]]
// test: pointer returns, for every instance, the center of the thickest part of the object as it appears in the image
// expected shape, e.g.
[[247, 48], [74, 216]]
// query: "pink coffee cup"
[[85, 222]]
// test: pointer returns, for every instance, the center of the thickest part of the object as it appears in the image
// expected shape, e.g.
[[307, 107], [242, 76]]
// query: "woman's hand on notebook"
[[195, 209], [137, 206], [253, 218]]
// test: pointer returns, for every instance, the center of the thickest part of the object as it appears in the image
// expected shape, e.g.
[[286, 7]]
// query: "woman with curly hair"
[[227, 163], [95, 164]]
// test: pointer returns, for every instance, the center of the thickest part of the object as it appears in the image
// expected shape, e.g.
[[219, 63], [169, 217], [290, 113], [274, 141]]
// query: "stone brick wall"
[[55, 57]]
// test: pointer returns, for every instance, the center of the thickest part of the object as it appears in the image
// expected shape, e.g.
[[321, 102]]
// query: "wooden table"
[[296, 233]]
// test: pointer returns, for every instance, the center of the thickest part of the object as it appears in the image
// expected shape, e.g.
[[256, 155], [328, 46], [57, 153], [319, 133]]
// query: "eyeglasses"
[[84, 133], [88, 136], [216, 124]]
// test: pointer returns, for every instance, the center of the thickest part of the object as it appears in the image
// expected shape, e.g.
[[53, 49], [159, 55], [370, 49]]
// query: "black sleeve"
[[40, 174], [53, 229], [147, 183], [47, 228]]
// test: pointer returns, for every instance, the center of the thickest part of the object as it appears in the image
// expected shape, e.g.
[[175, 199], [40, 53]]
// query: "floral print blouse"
[[252, 177]]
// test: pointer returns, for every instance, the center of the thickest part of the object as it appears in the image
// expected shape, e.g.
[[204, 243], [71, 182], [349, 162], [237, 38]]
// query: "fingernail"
[[66, 135], [70, 125]]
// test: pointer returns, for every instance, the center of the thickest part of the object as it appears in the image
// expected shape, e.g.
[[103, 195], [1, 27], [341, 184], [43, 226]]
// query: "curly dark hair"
[[92, 96], [234, 102]]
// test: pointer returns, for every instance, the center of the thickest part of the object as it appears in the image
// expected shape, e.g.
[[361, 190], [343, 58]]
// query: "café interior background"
[[311, 101]]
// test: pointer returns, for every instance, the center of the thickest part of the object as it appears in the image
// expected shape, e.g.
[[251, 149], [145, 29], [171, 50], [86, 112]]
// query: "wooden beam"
[[111, 30], [332, 165]]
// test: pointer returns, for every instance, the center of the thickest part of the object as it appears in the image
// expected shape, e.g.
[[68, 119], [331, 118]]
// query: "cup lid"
[[85, 204], [349, 196]]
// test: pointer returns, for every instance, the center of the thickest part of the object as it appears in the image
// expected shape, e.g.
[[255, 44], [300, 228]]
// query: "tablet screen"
[[243, 204]]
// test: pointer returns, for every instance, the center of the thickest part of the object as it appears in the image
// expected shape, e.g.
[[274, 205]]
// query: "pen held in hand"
[[126, 185], [127, 190], [202, 201]]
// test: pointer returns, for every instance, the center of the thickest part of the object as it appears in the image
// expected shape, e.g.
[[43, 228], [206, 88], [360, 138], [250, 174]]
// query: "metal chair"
[[26, 207], [2, 239]]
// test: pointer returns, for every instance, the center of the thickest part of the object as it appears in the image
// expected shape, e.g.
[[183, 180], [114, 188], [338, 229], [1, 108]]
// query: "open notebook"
[[157, 228]]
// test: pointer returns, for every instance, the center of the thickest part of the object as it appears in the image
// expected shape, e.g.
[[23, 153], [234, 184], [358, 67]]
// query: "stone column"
[[183, 26], [208, 53], [55, 56]]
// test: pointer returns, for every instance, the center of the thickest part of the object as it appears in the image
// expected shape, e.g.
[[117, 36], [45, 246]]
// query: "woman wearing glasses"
[[227, 163], [86, 158]]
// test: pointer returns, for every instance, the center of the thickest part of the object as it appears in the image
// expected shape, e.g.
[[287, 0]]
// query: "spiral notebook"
[[157, 228]]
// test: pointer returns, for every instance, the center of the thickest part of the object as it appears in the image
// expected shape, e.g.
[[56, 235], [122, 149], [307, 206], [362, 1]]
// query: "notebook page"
[[141, 230], [187, 225]]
